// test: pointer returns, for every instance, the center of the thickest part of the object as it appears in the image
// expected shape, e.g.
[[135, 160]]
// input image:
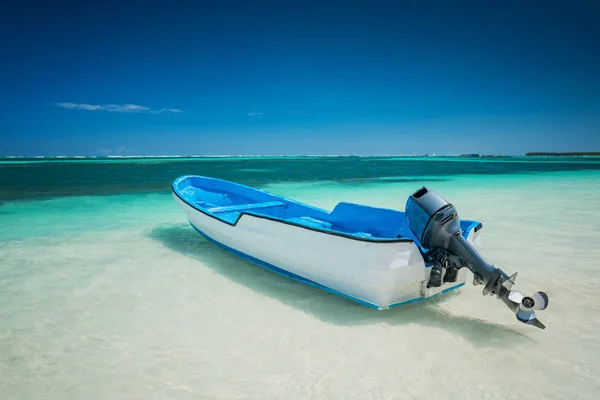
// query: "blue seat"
[[309, 221], [205, 204], [362, 234], [243, 207]]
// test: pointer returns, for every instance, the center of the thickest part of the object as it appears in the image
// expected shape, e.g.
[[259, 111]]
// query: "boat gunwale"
[[275, 219], [371, 239]]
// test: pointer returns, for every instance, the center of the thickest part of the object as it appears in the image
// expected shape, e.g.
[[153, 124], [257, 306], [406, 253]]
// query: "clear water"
[[107, 293]]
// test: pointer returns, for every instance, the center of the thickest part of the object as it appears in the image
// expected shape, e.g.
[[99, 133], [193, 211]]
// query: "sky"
[[288, 77]]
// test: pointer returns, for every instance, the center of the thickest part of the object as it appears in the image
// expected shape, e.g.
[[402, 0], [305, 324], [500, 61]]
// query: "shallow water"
[[116, 297]]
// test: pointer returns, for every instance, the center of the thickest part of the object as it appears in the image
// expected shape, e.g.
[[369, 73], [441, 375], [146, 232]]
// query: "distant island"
[[590, 153]]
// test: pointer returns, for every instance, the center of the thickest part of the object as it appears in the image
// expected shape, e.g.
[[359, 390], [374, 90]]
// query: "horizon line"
[[262, 155], [414, 154]]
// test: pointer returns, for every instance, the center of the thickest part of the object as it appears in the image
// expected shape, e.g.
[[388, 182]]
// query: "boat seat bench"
[[205, 204], [362, 234], [242, 207], [309, 221], [317, 223]]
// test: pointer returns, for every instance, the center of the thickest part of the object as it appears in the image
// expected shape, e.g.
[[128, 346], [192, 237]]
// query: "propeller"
[[524, 306]]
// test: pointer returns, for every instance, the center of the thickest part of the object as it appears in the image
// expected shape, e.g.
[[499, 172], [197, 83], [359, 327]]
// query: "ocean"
[[107, 293]]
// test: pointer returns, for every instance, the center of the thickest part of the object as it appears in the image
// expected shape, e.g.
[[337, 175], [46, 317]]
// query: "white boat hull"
[[378, 274]]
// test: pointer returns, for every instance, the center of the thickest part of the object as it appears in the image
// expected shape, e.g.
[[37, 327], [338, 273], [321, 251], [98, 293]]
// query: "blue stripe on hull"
[[309, 282]]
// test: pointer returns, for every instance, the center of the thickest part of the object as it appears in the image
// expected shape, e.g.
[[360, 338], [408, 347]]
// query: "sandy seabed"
[[117, 297]]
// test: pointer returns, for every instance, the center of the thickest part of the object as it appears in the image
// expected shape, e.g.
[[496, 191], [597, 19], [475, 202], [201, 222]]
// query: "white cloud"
[[80, 106], [166, 111], [254, 114], [126, 108]]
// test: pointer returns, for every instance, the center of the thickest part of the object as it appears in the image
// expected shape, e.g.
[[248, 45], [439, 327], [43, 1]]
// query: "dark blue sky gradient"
[[373, 77]]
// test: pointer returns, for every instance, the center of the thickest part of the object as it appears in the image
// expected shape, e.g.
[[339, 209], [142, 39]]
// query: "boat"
[[378, 257]]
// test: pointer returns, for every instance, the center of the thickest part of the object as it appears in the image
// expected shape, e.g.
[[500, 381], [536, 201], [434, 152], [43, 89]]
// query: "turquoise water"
[[107, 293], [43, 179]]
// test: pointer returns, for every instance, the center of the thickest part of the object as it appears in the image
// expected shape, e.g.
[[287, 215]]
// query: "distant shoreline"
[[572, 154], [26, 159], [174, 157]]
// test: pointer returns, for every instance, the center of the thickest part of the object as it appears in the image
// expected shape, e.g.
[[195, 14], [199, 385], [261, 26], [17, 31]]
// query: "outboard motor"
[[436, 224]]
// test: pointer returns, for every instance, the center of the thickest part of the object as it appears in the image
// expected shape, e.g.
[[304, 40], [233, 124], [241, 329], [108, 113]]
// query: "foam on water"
[[120, 298]]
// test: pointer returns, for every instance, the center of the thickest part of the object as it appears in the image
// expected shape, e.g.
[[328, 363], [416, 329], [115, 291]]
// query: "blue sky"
[[312, 77]]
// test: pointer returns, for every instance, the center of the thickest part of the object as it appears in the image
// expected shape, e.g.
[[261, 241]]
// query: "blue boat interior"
[[227, 201]]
